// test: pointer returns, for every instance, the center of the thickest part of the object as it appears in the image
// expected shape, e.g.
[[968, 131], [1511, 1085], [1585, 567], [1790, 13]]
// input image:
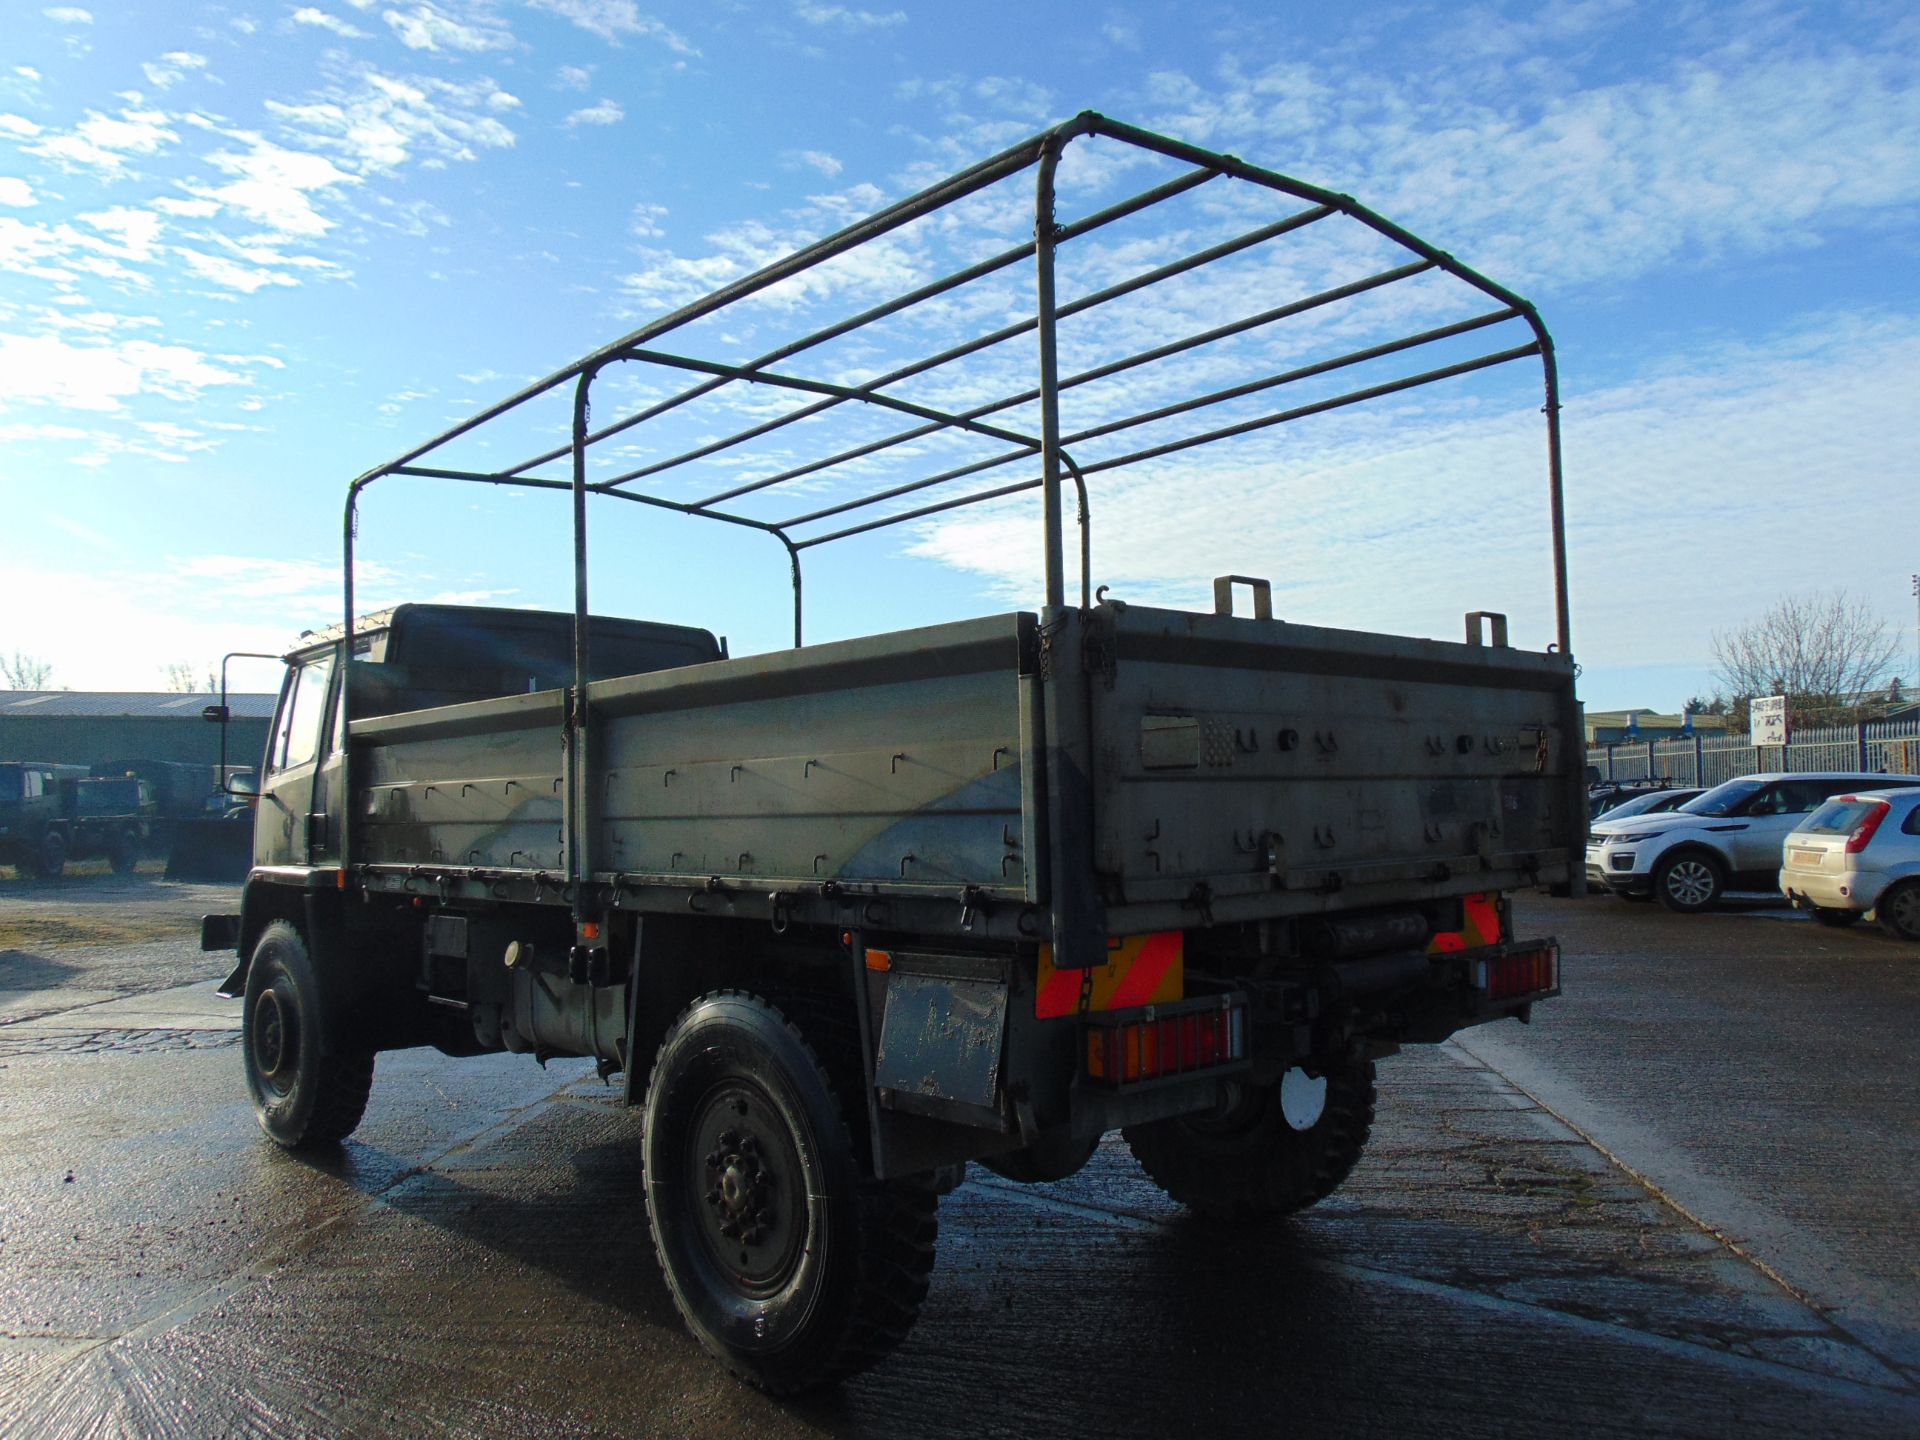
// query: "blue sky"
[[251, 250]]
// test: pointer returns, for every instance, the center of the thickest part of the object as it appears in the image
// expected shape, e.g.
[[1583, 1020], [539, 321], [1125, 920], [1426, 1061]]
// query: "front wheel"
[[1268, 1151], [123, 852], [787, 1266], [302, 1098], [1899, 910], [1689, 882]]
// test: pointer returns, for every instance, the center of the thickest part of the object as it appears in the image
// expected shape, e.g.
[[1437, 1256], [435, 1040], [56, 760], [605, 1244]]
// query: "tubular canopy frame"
[[1046, 452]]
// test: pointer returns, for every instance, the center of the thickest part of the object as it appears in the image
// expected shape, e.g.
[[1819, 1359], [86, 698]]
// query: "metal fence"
[[1890, 747]]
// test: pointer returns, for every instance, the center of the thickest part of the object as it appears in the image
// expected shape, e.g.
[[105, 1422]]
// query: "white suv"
[[1726, 839]]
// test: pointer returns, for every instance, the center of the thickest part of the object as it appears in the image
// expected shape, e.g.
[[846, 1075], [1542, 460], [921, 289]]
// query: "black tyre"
[[123, 852], [1834, 919], [49, 860], [1689, 882], [1249, 1162], [1899, 910], [302, 1098], [785, 1264]]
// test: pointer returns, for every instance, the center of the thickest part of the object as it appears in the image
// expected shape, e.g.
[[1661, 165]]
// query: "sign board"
[[1768, 718]]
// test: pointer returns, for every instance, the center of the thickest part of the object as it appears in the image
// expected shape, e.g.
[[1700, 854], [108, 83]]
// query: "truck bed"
[[1239, 769]]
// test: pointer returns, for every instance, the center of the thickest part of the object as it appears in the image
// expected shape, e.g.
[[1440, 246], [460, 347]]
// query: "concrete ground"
[[1676, 1204]]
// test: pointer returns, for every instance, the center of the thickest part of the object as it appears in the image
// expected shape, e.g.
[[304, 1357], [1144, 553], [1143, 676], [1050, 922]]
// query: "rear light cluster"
[[1514, 973], [1870, 822], [1165, 1040]]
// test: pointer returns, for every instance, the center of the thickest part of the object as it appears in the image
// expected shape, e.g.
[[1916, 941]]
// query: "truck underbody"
[[847, 917]]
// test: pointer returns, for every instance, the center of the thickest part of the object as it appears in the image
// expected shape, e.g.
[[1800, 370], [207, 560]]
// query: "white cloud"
[[16, 192], [18, 126], [103, 143], [46, 369], [384, 121], [322, 20], [847, 19], [646, 220], [68, 15], [232, 274], [610, 19], [170, 68], [607, 112], [819, 160], [429, 27], [573, 77], [133, 231], [273, 186]]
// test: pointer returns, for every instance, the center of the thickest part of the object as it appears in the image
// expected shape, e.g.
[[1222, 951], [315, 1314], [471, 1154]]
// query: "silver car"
[[1857, 853]]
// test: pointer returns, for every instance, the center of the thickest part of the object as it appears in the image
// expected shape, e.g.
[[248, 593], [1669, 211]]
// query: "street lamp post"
[[1916, 629]]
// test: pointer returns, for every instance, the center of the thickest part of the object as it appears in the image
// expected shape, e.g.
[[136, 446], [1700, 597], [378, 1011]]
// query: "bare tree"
[[25, 672], [186, 678], [1824, 652]]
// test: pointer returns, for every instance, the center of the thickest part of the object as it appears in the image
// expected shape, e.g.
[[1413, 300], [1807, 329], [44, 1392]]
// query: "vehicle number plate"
[[1808, 857]]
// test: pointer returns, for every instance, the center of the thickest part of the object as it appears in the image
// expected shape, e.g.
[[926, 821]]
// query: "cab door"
[[292, 827]]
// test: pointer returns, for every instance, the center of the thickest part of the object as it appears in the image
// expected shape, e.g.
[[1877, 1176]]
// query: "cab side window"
[[303, 713]]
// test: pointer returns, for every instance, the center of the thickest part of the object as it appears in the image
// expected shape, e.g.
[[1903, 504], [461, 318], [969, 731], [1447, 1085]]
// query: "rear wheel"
[[1834, 919], [1689, 882], [1899, 910], [1270, 1151], [301, 1097], [787, 1266]]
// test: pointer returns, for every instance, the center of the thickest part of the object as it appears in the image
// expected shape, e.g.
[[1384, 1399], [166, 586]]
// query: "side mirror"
[[218, 714]]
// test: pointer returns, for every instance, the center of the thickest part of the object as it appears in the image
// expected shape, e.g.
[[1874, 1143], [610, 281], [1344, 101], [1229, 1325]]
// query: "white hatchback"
[[1857, 853]]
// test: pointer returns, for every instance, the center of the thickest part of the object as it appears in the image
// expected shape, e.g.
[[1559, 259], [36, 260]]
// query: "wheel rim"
[[1690, 882], [275, 1041], [749, 1189], [1903, 911]]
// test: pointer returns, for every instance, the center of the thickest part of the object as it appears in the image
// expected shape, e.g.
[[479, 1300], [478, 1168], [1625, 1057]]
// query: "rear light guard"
[[1127, 1048], [1516, 972]]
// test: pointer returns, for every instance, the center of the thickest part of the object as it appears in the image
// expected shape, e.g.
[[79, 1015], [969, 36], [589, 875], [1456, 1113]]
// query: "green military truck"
[[50, 814], [848, 916]]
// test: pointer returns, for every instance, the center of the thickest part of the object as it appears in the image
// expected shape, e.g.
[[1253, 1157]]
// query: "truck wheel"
[[785, 1264], [123, 853], [49, 858], [302, 1098], [1689, 882], [1899, 910], [1273, 1150]]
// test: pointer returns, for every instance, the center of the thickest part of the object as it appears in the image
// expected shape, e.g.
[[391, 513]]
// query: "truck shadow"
[[28, 970]]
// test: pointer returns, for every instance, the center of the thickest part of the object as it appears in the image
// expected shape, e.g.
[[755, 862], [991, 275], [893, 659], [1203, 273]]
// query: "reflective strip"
[[1480, 916], [1140, 970]]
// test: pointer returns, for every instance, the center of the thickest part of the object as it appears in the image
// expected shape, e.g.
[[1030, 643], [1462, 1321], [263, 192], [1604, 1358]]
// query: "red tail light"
[[1512, 973], [1165, 1040], [1863, 832]]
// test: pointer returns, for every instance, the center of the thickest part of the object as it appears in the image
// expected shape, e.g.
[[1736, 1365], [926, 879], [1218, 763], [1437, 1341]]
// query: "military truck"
[[847, 917], [50, 814]]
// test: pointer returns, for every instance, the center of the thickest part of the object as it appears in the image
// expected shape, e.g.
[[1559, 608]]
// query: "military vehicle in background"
[[50, 814], [849, 916]]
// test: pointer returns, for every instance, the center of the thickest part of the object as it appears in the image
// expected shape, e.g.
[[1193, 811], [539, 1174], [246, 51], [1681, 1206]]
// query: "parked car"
[[1727, 839], [1857, 853], [1614, 801]]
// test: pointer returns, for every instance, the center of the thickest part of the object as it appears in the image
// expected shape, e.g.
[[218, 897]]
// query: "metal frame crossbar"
[[878, 509]]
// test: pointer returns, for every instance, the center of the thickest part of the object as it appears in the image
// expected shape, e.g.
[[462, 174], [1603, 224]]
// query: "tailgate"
[[1253, 768]]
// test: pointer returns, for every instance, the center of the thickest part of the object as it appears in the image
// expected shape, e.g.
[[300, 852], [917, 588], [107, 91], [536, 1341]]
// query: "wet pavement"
[[475, 1260]]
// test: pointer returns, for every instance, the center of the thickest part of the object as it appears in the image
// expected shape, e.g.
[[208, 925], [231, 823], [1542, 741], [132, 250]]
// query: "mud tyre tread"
[[857, 1291], [304, 1099], [1254, 1167]]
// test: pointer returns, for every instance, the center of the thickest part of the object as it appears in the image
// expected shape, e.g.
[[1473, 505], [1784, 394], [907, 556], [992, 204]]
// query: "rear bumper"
[[1811, 890]]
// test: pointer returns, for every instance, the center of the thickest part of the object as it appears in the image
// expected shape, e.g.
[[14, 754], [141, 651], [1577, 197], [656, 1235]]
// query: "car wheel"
[[1689, 882], [1899, 910], [1834, 919], [787, 1266]]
